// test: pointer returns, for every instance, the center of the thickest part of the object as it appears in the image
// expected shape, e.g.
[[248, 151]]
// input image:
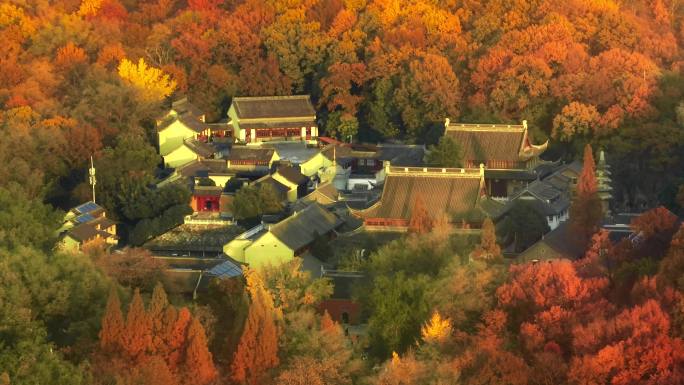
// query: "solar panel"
[[83, 218], [87, 207], [225, 269]]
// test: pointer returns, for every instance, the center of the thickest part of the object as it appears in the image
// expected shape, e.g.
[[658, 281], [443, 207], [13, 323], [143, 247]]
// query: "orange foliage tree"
[[137, 334], [420, 221], [257, 351], [89, 7], [162, 339], [545, 299], [133, 267], [653, 222], [70, 56], [198, 366], [632, 348], [575, 119], [112, 324]]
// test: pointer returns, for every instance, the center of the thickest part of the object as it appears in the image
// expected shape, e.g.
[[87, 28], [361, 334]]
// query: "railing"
[[392, 222], [194, 220], [500, 199], [497, 164]]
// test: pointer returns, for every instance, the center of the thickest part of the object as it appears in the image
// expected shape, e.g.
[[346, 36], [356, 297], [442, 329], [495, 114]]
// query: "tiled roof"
[[104, 222], [328, 190], [492, 143], [86, 232], [543, 190], [188, 120], [343, 283], [481, 143], [454, 191], [296, 152], [207, 191], [575, 167], [543, 207], [193, 123], [204, 167], [272, 107], [558, 181], [399, 154], [559, 243], [250, 153], [183, 106], [324, 194], [204, 150], [492, 208], [513, 174], [83, 232], [279, 188], [336, 151], [544, 197], [292, 174], [298, 230], [402, 155]]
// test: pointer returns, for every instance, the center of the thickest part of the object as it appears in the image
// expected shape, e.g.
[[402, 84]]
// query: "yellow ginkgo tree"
[[437, 329], [89, 7], [152, 82]]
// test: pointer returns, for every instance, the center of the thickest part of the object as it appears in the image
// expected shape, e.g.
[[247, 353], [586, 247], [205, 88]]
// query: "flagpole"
[[91, 176]]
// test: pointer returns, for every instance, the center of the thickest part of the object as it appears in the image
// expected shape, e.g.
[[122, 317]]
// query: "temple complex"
[[456, 192], [505, 150], [273, 118]]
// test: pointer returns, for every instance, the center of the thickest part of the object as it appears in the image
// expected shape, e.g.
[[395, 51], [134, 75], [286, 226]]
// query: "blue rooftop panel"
[[84, 218], [226, 269], [87, 207]]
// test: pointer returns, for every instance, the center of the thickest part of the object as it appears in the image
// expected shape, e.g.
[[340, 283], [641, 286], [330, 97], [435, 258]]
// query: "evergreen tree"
[[586, 210], [199, 367], [137, 335], [112, 324], [524, 225], [447, 153], [257, 351]]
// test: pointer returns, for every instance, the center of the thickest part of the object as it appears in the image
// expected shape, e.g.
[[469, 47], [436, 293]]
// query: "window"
[[370, 162]]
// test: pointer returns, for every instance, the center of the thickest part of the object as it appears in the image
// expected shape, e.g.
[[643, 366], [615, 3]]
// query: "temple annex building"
[[498, 162]]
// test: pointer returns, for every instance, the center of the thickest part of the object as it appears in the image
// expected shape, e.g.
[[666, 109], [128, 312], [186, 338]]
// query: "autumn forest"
[[82, 78]]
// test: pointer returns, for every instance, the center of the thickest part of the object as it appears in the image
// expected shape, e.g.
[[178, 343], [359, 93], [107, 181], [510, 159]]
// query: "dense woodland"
[[81, 78]]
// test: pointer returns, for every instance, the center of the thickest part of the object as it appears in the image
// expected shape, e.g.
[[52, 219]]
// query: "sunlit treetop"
[[437, 330], [153, 83], [89, 7], [13, 15]]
